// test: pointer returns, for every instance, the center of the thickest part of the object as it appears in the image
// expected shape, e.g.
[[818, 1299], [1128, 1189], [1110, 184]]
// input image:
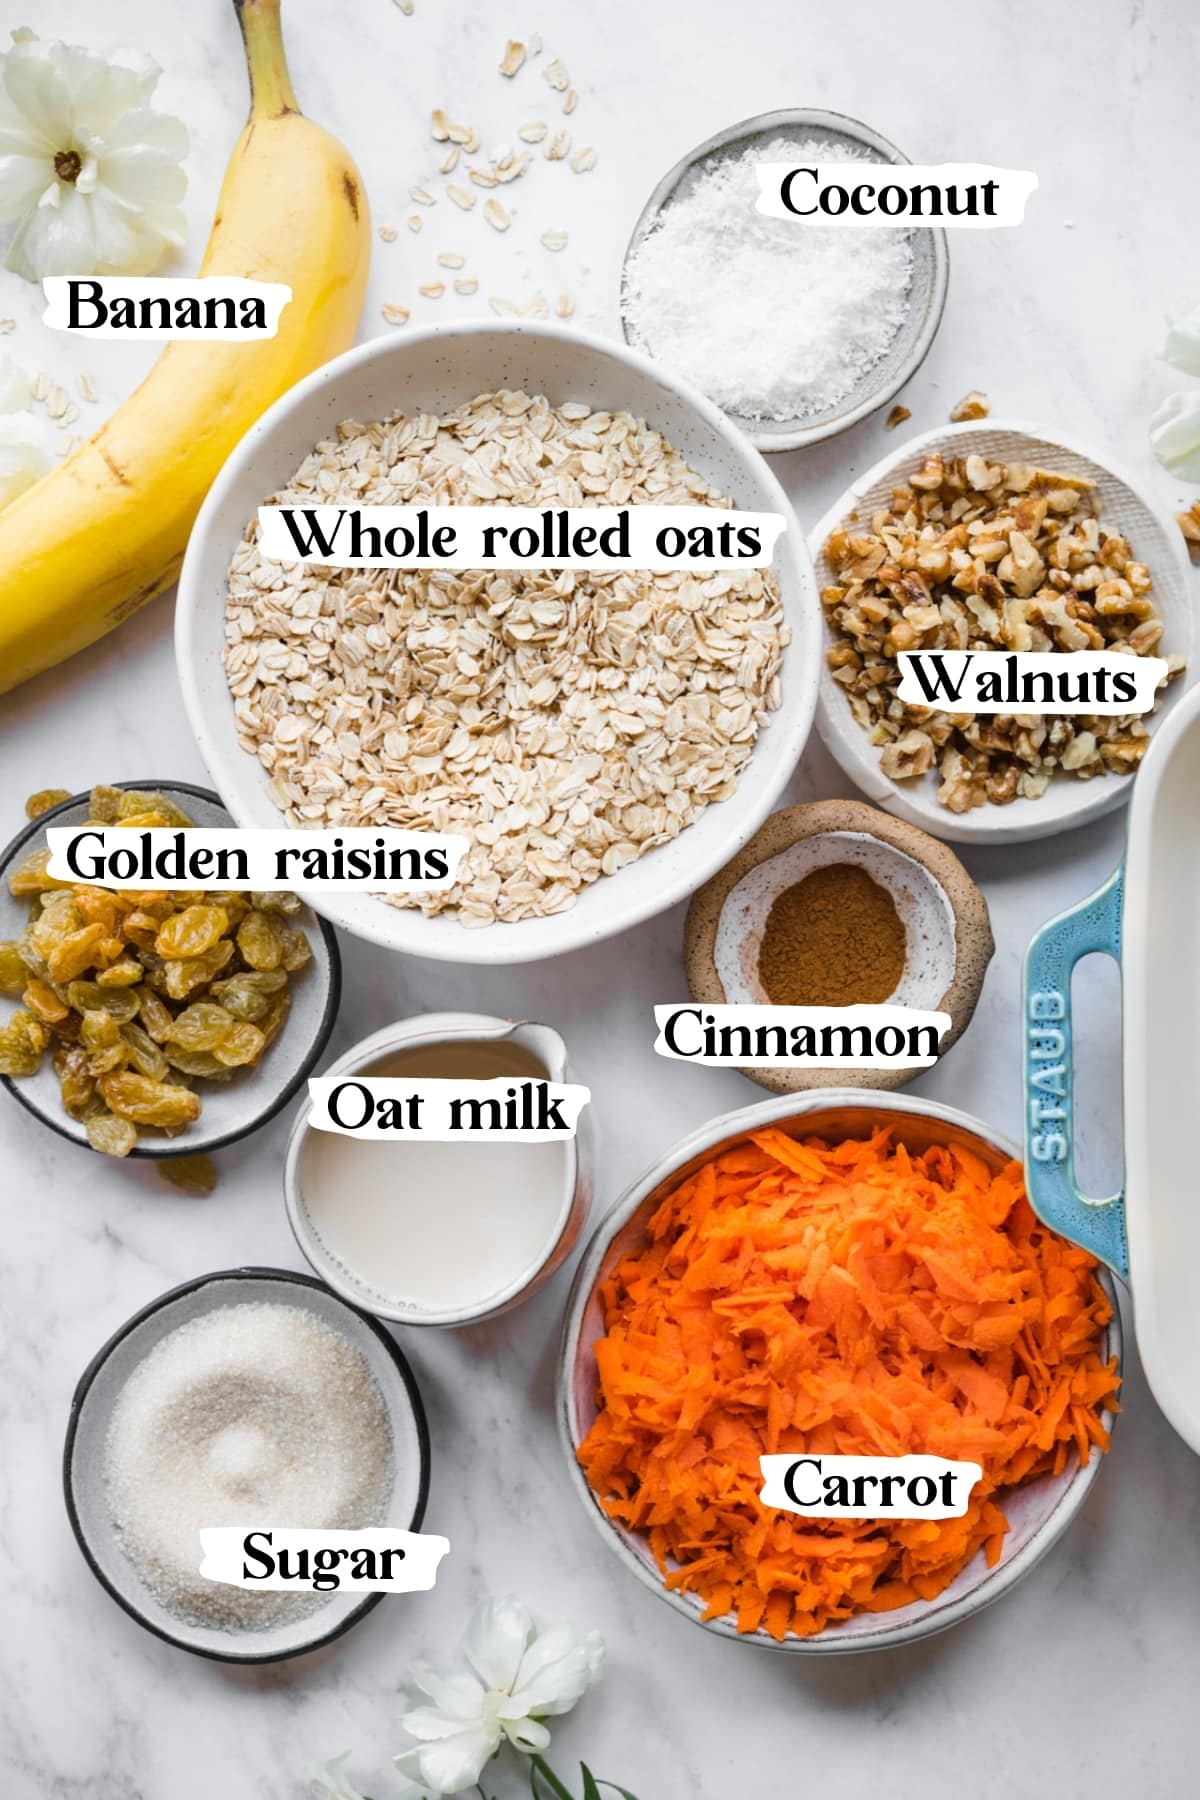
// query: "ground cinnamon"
[[832, 939]]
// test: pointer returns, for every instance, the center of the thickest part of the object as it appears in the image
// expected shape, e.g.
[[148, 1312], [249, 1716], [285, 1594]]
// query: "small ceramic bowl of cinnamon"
[[839, 904]]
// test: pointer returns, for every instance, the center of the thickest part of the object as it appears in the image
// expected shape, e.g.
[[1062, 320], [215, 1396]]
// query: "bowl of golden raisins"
[[154, 1023]]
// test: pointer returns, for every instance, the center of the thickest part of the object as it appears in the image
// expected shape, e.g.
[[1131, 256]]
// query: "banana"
[[105, 532]]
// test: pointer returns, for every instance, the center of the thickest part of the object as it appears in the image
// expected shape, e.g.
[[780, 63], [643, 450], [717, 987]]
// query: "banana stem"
[[271, 91]]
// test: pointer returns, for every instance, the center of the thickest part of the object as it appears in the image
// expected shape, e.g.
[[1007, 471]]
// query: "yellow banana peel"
[[105, 532]]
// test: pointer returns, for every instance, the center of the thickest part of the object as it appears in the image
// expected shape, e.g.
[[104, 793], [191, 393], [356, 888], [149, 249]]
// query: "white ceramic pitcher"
[[422, 1032]]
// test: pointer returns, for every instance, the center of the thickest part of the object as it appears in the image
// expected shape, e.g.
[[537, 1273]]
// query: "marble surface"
[[1083, 1681]]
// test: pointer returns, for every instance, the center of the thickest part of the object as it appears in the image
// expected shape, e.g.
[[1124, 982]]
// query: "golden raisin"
[[110, 1135], [149, 1102], [193, 1174], [43, 800]]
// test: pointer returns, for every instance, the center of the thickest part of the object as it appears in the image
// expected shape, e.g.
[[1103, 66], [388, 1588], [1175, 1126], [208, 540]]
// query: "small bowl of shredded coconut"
[[795, 330]]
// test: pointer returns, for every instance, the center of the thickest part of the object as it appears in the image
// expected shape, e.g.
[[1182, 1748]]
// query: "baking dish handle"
[[1096, 1225]]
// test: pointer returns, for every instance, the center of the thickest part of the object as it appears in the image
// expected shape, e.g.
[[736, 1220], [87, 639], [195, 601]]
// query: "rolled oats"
[[565, 721]]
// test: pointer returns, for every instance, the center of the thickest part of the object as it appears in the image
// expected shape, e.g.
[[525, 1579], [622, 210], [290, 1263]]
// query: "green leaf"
[[590, 1790], [540, 1771]]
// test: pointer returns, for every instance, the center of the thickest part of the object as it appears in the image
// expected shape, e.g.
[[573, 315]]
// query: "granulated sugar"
[[258, 1415], [773, 318]]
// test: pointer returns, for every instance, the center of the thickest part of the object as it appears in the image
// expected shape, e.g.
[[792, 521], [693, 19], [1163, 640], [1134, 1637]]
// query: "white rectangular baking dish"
[[1146, 916]]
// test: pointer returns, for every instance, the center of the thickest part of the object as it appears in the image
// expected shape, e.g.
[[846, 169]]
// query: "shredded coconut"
[[259, 1415], [775, 319]]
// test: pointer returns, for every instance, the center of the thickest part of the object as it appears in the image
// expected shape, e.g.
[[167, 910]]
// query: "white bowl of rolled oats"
[[987, 536], [606, 741]]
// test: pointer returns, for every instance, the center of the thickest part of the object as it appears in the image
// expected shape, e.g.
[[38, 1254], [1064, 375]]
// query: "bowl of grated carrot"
[[849, 1274]]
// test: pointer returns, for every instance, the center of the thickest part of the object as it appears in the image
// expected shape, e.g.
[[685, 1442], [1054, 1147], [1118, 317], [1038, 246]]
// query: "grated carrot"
[[848, 1299]]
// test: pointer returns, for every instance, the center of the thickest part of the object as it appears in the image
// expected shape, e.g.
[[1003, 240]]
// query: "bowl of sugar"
[[249, 1397], [795, 330]]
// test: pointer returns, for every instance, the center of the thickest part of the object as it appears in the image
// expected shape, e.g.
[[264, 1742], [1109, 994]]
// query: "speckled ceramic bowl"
[[927, 294], [948, 936], [1038, 1513], [432, 369], [229, 1109], [100, 1387]]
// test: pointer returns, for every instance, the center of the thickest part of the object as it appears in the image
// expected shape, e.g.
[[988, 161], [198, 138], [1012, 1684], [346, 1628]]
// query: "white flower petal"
[[23, 181], [55, 240], [453, 1765], [557, 1670], [431, 1725], [527, 1735], [35, 83], [496, 1638], [1175, 434], [116, 241], [1182, 347], [25, 453], [456, 1693], [142, 173], [15, 390], [332, 1783]]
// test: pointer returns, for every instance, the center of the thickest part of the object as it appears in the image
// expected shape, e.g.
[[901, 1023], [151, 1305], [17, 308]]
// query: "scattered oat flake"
[[972, 406], [514, 56], [388, 233], [64, 444], [414, 221], [466, 284], [86, 387], [432, 290], [466, 135], [406, 7], [538, 308], [483, 178], [535, 43], [1189, 524], [461, 196], [439, 125], [421, 195], [554, 240], [39, 387], [7, 325], [532, 132], [449, 162], [395, 315], [496, 216], [56, 405], [570, 100], [555, 73], [583, 160], [558, 146], [897, 416], [451, 259], [503, 309], [564, 306]]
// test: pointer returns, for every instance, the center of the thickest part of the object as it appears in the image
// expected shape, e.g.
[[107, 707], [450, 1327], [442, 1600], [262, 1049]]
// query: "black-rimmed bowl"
[[102, 1383], [229, 1109]]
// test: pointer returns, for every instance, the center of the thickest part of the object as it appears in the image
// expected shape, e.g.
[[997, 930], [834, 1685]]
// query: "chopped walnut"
[[976, 555], [1189, 524], [897, 416], [972, 406]]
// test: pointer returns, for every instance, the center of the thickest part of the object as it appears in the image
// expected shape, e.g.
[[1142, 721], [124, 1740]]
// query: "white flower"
[[332, 1784], [1175, 434], [26, 452], [1182, 347], [513, 1679], [88, 170]]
